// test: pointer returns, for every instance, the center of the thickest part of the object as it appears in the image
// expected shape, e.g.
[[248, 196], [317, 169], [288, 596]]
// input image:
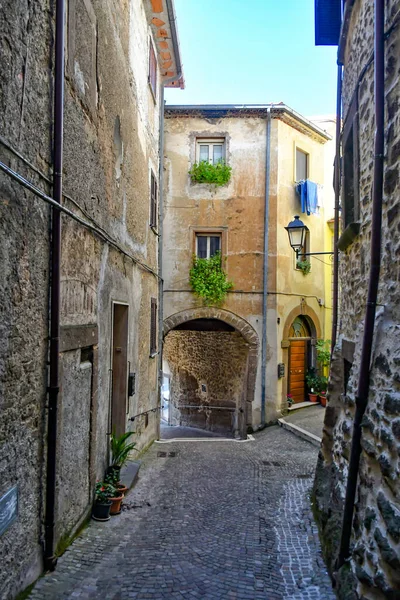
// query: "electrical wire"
[[99, 231]]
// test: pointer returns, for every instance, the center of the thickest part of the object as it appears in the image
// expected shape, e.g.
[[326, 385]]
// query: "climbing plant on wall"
[[208, 280]]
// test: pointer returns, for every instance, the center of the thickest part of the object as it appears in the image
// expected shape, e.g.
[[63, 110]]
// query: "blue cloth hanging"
[[308, 192]]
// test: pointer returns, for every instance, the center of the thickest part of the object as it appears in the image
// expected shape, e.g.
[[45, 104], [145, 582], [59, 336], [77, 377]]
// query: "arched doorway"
[[211, 356], [300, 358]]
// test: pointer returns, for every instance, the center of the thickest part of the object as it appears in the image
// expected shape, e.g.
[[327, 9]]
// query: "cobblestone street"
[[219, 520]]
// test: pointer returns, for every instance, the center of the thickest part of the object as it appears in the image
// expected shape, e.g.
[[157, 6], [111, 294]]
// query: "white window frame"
[[208, 236], [210, 142]]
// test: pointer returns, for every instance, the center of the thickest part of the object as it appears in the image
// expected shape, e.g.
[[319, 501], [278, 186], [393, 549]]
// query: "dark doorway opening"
[[119, 368]]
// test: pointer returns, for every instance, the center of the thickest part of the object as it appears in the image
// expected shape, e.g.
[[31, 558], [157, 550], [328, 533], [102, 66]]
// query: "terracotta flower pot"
[[116, 504], [313, 397], [122, 488], [101, 511], [322, 399]]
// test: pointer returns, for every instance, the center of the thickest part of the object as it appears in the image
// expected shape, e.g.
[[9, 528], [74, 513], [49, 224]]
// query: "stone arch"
[[248, 333], [303, 310]]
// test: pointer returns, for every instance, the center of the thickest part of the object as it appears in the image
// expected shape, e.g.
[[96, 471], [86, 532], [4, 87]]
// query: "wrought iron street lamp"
[[297, 232]]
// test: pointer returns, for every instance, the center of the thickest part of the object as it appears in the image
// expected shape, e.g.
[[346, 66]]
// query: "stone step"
[[130, 472]]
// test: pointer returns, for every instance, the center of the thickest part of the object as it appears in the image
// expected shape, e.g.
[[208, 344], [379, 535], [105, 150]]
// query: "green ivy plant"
[[205, 172], [304, 266], [208, 280]]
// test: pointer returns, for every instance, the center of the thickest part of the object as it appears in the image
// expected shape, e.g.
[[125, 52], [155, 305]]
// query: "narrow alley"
[[207, 519]]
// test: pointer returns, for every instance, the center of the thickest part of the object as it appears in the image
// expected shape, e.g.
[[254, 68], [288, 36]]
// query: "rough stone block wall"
[[25, 91], [374, 570], [216, 360], [110, 142]]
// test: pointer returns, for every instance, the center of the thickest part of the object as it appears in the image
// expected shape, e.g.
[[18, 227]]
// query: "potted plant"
[[120, 450], [312, 380], [289, 399], [206, 172], [116, 502], [102, 502], [113, 478], [323, 384], [304, 266]]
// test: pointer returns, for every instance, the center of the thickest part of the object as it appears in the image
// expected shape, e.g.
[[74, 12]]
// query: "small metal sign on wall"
[[8, 509]]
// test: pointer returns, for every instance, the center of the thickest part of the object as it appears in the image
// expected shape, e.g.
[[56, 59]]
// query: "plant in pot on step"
[[289, 399], [117, 496], [322, 386], [102, 502], [121, 448], [312, 381]]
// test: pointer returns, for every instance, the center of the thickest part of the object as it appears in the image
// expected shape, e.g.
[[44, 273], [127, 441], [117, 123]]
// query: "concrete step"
[[298, 405], [130, 472], [300, 432]]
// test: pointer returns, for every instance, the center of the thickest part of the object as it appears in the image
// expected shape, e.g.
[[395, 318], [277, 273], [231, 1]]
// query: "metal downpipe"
[[50, 560], [265, 268], [337, 208], [364, 374]]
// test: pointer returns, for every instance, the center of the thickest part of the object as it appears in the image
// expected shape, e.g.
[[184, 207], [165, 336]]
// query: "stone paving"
[[311, 419], [217, 521]]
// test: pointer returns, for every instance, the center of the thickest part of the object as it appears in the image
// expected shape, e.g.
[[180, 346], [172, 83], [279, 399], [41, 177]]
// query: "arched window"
[[300, 328]]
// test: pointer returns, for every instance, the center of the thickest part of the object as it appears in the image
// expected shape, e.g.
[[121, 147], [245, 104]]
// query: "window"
[[350, 192], [152, 69], [153, 327], [207, 245], [304, 250], [302, 166], [153, 201], [212, 150]]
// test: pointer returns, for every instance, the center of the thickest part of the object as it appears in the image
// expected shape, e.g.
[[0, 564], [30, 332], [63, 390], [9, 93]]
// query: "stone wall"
[[111, 134], [207, 368], [374, 569]]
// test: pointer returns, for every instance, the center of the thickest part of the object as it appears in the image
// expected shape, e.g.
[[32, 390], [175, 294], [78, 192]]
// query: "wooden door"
[[119, 369], [297, 369]]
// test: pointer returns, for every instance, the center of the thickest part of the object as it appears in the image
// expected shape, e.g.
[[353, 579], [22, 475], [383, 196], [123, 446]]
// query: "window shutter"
[[152, 69], [328, 20], [153, 327], [153, 201]]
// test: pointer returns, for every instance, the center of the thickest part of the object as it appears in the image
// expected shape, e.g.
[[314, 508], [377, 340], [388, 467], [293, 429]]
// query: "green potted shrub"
[[102, 502], [322, 387], [304, 266], [312, 380], [289, 399], [120, 447]]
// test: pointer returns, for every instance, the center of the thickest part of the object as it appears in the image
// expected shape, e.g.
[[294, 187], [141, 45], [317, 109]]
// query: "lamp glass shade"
[[297, 234]]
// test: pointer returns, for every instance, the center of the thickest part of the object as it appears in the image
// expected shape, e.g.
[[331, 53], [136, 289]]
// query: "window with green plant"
[[207, 172], [304, 266], [208, 279]]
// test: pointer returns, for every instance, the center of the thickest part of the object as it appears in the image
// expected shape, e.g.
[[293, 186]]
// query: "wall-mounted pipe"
[[376, 235], [54, 383], [265, 268], [337, 208]]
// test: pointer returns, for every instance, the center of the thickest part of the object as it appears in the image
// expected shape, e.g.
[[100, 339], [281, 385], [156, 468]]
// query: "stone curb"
[[302, 433]]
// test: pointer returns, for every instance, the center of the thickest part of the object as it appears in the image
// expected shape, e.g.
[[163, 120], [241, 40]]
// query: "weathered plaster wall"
[[238, 209], [375, 562], [111, 134], [216, 360]]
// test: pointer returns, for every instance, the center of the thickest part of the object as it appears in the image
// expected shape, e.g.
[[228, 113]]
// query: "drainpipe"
[[363, 380], [265, 269], [175, 43], [50, 560], [337, 205]]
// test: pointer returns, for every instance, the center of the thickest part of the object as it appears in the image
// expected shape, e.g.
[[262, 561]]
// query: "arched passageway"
[[210, 358]]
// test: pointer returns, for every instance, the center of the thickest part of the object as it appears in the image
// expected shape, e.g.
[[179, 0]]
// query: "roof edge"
[[224, 110]]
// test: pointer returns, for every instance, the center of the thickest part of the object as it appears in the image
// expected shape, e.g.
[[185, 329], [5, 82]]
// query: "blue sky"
[[254, 52]]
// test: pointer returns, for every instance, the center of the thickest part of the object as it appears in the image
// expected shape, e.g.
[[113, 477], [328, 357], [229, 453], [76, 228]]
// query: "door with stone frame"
[[299, 356]]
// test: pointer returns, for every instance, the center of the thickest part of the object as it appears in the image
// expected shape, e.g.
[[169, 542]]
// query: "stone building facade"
[[118, 57], [225, 378], [373, 571]]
